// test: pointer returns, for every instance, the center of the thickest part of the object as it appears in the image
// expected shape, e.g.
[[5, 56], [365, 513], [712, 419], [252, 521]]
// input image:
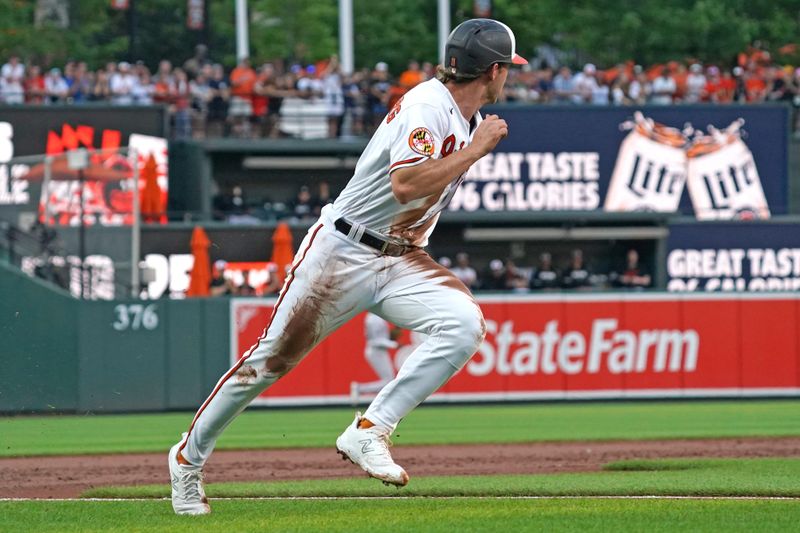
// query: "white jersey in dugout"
[[424, 124]]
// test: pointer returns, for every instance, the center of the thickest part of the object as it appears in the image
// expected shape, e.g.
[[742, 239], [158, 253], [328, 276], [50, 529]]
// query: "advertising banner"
[[572, 347], [733, 257], [713, 162], [55, 130]]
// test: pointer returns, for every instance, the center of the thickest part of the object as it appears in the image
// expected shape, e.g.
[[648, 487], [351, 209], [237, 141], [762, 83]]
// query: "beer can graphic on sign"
[[722, 177], [650, 171]]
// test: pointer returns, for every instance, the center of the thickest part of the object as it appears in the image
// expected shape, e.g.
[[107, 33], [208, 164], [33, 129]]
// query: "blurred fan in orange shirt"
[[412, 76]]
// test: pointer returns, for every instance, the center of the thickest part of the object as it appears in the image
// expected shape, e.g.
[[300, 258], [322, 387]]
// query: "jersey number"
[[395, 110]]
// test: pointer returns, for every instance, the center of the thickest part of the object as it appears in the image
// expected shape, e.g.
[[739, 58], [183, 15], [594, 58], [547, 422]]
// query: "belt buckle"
[[384, 246]]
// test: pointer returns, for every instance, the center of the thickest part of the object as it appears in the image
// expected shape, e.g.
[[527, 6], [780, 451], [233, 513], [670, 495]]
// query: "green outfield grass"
[[673, 477], [50, 435], [413, 514]]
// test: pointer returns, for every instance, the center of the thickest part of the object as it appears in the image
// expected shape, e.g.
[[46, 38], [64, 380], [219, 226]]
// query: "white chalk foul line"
[[268, 498]]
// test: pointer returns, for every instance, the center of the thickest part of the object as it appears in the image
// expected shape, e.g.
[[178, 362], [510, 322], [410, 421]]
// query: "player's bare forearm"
[[432, 176]]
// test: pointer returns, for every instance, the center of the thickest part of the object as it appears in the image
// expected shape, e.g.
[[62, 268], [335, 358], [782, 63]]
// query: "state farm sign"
[[576, 346], [608, 347]]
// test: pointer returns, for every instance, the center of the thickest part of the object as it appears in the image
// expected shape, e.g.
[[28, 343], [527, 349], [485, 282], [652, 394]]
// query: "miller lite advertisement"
[[733, 256], [712, 162], [570, 346]]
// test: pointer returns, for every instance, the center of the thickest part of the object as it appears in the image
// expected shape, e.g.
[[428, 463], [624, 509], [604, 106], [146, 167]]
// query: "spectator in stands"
[[725, 87], [282, 88], [712, 89], [80, 83], [12, 76], [633, 275], [679, 74], [695, 83], [619, 89], [601, 92], [777, 90], [576, 276], [144, 89], [220, 286], [545, 277], [242, 80], [544, 84], [218, 104], [181, 97], [195, 64], [563, 86], [495, 278], [122, 84], [34, 86], [354, 102], [273, 286], [428, 70], [584, 84], [464, 271], [334, 97], [640, 88], [755, 86], [517, 279], [200, 93], [309, 85], [739, 90], [303, 205], [323, 197], [55, 87], [101, 90], [664, 88], [445, 262], [163, 83], [516, 89], [265, 77], [246, 289], [111, 69], [411, 77], [377, 96]]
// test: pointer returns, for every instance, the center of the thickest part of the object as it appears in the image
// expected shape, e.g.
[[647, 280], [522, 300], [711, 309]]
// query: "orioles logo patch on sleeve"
[[421, 141]]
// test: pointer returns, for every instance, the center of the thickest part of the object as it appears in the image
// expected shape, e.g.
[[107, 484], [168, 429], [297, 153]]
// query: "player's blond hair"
[[444, 76]]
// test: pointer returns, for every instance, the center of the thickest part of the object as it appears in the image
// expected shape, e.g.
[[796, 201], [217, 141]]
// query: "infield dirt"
[[68, 476]]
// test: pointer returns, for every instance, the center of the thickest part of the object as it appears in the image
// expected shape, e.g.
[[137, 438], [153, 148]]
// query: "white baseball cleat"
[[369, 449], [188, 496]]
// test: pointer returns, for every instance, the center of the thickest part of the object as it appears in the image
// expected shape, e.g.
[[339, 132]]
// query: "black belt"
[[384, 246]]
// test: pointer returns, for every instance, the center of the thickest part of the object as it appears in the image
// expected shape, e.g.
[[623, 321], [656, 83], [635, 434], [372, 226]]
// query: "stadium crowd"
[[568, 273], [571, 272], [574, 273], [207, 99]]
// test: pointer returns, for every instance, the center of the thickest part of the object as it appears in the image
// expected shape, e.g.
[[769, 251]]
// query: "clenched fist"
[[490, 131]]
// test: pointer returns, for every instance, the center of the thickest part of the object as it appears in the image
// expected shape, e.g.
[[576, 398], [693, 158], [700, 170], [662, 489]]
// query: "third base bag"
[[650, 171], [722, 177]]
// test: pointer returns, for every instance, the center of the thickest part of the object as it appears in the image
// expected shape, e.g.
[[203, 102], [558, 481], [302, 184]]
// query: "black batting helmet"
[[477, 44]]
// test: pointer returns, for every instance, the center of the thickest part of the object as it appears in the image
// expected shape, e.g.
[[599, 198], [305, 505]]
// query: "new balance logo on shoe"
[[366, 446], [369, 449]]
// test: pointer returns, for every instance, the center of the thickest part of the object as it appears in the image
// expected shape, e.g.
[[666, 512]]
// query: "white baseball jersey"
[[424, 124]]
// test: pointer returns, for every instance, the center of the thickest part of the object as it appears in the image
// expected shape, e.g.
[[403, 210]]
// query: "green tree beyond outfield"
[[647, 31]]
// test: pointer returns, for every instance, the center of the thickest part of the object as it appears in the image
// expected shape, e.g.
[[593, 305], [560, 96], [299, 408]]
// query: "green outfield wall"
[[60, 354]]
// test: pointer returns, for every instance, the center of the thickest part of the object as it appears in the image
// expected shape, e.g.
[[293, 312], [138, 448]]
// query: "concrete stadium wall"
[[58, 354]]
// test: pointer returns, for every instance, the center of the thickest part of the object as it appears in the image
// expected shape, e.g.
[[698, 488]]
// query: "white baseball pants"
[[333, 279]]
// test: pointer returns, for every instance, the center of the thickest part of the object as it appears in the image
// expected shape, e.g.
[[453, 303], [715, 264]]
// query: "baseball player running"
[[366, 253]]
